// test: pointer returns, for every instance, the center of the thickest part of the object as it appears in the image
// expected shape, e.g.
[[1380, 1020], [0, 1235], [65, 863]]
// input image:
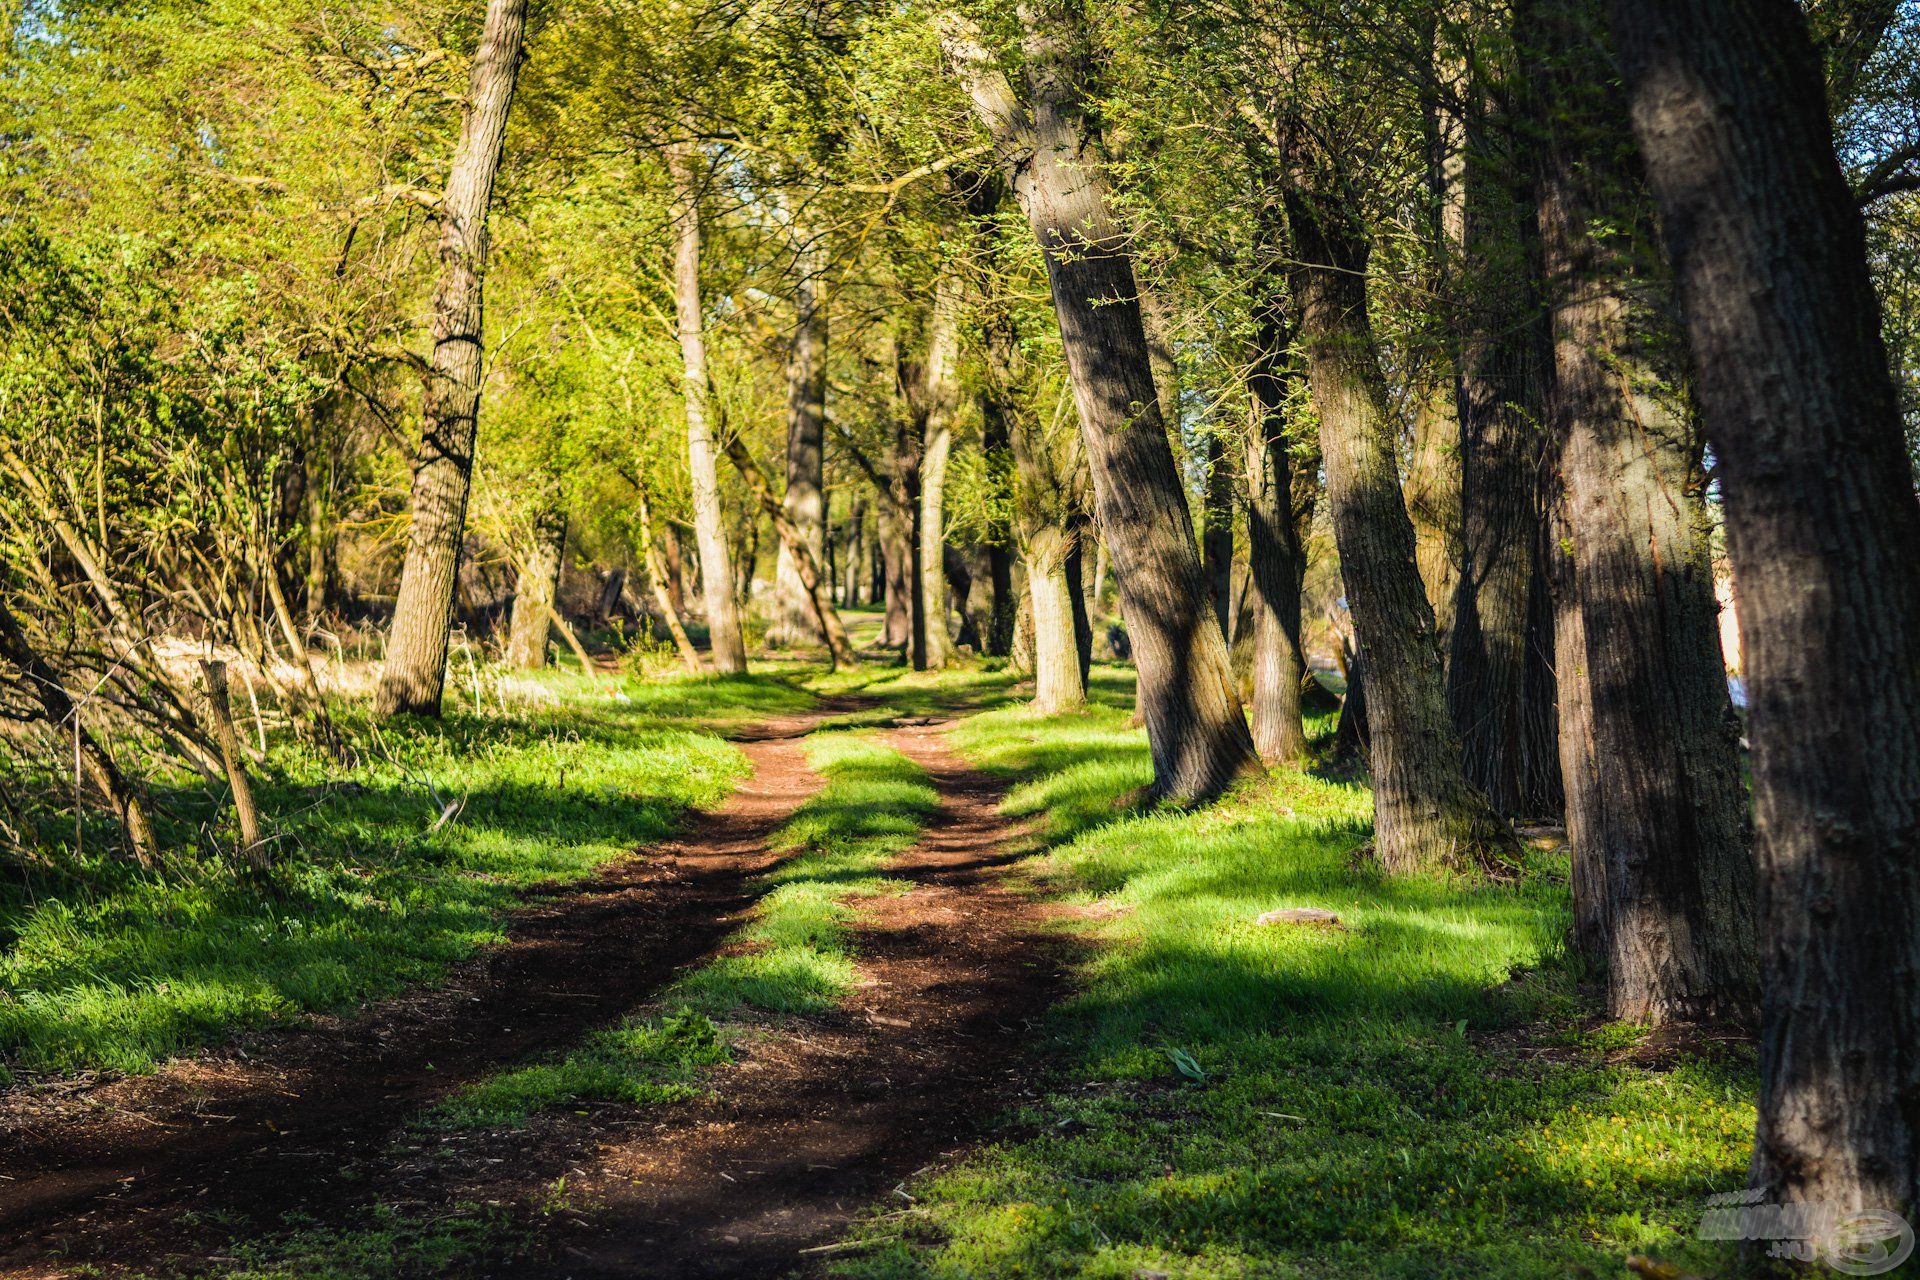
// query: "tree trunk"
[[1277, 561], [1426, 814], [1579, 764], [1078, 536], [1494, 653], [1433, 501], [220, 716], [1823, 528], [940, 392], [725, 644], [805, 500], [1196, 728], [1664, 823], [897, 555], [996, 439], [855, 556], [1216, 539], [1057, 685], [528, 633], [416, 662]]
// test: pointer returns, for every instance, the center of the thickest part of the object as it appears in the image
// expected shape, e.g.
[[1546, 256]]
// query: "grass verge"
[[105, 968], [1384, 1099]]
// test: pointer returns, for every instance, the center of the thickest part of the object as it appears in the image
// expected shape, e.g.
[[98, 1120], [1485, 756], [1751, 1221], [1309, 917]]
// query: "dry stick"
[[259, 721], [297, 646], [838, 646], [228, 741], [587, 667]]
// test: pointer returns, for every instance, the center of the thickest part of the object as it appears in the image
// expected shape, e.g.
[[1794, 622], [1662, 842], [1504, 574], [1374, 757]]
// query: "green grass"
[[467, 1241], [1239, 1100], [108, 969], [795, 958], [640, 1063]]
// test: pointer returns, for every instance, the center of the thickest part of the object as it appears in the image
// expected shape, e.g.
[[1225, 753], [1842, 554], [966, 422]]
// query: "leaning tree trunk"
[[725, 644], [1426, 813], [1663, 825], [940, 390], [1277, 561], [1196, 728], [805, 500], [533, 600], [416, 664], [1823, 528]]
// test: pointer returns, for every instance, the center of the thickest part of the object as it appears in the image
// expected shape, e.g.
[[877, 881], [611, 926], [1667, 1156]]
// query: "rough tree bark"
[[1196, 728], [805, 500], [1663, 825], [529, 631], [1426, 813], [1280, 499], [416, 662], [726, 646], [1494, 654], [1823, 528]]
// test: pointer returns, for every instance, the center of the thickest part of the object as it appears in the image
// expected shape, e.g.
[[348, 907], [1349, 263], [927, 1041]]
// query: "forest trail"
[[810, 1124]]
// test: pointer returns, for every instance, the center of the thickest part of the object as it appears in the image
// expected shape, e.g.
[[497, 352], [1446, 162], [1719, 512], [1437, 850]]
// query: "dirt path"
[[816, 1121]]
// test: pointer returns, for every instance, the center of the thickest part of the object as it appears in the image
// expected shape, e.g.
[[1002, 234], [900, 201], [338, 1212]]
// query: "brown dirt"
[[816, 1120]]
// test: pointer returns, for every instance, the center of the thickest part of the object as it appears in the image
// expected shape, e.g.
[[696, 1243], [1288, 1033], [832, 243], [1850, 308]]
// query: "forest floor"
[[926, 995]]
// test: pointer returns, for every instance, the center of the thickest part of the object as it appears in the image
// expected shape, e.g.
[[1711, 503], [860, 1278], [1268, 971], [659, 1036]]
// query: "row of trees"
[[972, 306]]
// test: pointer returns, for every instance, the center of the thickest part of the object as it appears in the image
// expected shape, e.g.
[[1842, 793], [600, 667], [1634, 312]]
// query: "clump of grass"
[[1238, 1099], [796, 956], [106, 968], [641, 1063], [466, 1241]]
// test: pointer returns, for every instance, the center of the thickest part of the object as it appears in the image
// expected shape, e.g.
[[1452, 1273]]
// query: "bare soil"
[[815, 1122]]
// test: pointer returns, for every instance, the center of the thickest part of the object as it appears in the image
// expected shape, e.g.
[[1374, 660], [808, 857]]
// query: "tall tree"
[[1280, 499], [938, 395], [1196, 727], [726, 646], [805, 499], [1497, 652], [416, 663], [1660, 831], [1823, 528], [1426, 813]]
